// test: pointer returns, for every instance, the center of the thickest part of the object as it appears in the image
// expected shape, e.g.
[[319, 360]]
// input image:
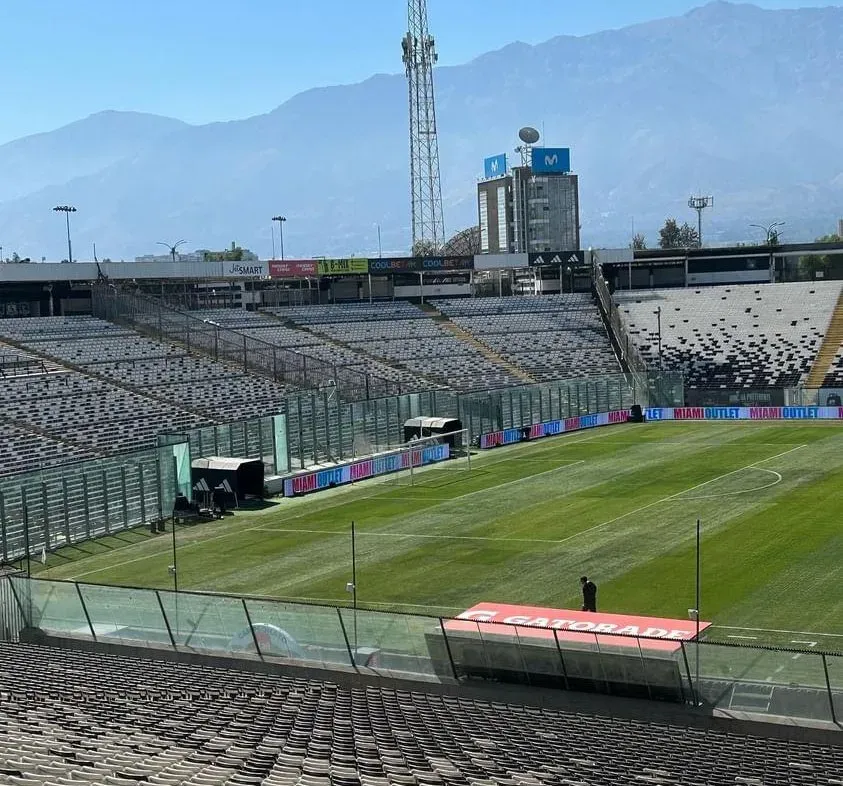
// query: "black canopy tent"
[[228, 479]]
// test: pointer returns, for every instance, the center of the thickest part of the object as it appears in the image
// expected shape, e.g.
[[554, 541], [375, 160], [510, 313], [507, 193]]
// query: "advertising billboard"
[[745, 413], [500, 261], [620, 629], [420, 264], [551, 428], [340, 475], [244, 269], [557, 258], [494, 166], [293, 268], [547, 160], [342, 267]]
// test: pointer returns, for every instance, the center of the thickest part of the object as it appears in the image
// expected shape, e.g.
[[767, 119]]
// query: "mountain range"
[[730, 100]]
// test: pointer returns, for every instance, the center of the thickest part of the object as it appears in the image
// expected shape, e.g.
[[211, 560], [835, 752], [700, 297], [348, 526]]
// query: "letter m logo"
[[495, 165], [551, 160]]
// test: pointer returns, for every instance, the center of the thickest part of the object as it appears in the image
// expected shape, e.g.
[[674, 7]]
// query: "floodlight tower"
[[426, 190], [700, 203]]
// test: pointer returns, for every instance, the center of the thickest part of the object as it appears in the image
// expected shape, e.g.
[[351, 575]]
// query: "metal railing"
[[754, 679], [152, 317], [629, 351]]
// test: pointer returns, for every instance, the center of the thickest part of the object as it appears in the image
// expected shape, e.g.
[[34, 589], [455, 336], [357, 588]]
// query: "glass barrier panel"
[[207, 623], [51, 606], [583, 662], [467, 649], [394, 643], [664, 672], [299, 632], [125, 615], [540, 656], [763, 681], [834, 664]]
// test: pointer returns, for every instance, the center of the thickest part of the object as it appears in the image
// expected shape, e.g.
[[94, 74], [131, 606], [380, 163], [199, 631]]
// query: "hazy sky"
[[211, 60]]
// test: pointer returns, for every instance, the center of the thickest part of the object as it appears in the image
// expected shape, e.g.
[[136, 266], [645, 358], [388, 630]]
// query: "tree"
[[465, 243], [425, 248], [639, 242], [809, 266], [15, 258], [671, 235]]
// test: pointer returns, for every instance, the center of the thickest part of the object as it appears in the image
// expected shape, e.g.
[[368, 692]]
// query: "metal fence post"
[[830, 692], [448, 649], [85, 610], [352, 660]]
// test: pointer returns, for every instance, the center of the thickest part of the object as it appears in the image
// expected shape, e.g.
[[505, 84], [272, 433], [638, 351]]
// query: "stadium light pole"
[[281, 220], [272, 231], [380, 245], [173, 249], [67, 210]]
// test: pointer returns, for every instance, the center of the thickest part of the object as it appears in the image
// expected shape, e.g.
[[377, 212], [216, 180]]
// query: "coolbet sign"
[[618, 629]]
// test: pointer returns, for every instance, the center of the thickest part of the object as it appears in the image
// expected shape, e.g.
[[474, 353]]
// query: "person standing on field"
[[589, 594]]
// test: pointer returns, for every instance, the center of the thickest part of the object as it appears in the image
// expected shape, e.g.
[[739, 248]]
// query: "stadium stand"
[[407, 339], [72, 717], [834, 377], [549, 337], [732, 337], [121, 390]]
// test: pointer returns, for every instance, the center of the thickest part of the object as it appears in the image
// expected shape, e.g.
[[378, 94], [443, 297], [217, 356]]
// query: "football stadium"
[[342, 541]]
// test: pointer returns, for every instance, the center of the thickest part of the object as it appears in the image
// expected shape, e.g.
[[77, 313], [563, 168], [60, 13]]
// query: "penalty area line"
[[679, 494], [363, 533]]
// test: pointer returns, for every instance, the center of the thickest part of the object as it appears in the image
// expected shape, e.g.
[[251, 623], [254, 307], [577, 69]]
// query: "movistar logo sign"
[[551, 160]]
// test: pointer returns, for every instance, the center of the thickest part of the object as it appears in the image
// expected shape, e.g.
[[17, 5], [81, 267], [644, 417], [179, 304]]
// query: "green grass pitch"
[[618, 503]]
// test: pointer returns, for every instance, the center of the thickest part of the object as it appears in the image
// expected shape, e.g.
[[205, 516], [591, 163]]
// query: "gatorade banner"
[[585, 627]]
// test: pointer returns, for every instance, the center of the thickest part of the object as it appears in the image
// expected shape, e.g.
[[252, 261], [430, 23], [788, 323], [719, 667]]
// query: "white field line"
[[168, 550], [364, 533], [748, 638], [678, 494], [777, 630], [778, 479]]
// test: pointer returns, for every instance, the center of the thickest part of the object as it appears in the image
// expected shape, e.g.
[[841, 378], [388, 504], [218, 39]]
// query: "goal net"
[[431, 461]]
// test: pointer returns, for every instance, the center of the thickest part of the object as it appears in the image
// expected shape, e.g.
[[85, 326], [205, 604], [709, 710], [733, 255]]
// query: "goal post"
[[424, 458]]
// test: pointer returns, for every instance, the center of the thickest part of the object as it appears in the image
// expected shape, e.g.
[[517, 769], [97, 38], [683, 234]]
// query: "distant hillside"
[[729, 99]]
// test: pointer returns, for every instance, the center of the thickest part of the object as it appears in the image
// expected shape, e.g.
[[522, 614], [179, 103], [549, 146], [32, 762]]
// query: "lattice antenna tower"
[[700, 203], [426, 189]]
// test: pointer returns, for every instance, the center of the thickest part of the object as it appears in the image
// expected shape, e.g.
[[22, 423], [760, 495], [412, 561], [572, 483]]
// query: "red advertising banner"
[[582, 627], [292, 268]]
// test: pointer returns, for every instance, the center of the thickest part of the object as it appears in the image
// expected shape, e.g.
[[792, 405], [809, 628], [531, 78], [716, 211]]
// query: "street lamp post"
[[380, 246], [172, 248], [67, 210], [770, 231], [281, 220]]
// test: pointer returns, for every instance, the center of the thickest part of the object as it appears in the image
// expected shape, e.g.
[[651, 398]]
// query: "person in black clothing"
[[589, 594]]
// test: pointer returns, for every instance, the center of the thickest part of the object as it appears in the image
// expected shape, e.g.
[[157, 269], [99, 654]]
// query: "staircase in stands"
[[490, 354], [831, 343]]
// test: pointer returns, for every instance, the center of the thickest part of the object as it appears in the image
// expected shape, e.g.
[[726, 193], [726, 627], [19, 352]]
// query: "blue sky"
[[205, 61]]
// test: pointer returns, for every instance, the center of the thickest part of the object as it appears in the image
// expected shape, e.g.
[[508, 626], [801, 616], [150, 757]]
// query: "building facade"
[[526, 212]]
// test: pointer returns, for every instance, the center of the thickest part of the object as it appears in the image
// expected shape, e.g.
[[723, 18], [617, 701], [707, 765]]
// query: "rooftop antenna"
[[529, 136], [700, 203], [419, 58]]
